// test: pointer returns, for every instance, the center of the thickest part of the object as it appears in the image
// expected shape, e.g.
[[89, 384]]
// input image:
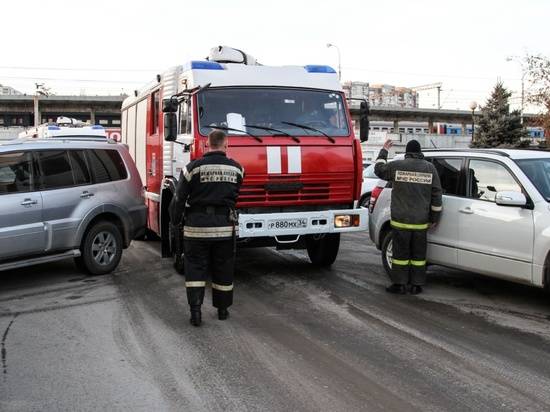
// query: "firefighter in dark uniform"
[[415, 207], [205, 199]]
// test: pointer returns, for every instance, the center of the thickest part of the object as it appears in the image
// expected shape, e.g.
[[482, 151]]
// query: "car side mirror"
[[170, 127], [364, 121], [510, 198]]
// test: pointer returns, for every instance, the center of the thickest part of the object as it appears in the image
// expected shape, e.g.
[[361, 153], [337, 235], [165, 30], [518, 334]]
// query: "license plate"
[[287, 224]]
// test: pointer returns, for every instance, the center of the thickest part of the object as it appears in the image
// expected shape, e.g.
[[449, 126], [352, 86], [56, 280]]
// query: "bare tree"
[[538, 77]]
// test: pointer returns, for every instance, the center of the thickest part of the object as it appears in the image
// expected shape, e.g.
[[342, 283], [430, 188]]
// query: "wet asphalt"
[[299, 338]]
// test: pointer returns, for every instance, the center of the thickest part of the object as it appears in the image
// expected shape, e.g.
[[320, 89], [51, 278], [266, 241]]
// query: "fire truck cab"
[[288, 126]]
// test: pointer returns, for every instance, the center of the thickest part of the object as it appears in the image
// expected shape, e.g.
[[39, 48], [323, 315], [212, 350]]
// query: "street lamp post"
[[473, 106], [329, 45], [523, 72]]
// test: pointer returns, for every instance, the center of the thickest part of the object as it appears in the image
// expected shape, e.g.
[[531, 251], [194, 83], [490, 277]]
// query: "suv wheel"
[[101, 249], [323, 251], [387, 248]]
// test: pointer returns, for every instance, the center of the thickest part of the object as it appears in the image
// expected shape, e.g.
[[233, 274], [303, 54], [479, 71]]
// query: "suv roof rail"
[[80, 139], [489, 151], [62, 139]]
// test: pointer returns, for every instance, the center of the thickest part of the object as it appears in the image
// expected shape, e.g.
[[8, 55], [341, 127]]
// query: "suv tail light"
[[374, 197]]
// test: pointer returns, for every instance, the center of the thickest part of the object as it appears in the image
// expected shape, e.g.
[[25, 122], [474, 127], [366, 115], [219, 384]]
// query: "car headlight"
[[346, 221]]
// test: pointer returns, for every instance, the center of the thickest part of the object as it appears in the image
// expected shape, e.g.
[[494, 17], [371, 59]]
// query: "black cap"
[[413, 147]]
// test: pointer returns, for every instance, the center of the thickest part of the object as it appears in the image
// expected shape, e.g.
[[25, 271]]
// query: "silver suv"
[[68, 199], [496, 214]]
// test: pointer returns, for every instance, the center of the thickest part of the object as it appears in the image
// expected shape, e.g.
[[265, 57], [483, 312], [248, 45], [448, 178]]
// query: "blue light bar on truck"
[[54, 128], [204, 65], [316, 68], [97, 126]]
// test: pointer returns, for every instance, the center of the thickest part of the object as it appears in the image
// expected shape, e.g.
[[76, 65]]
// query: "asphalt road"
[[298, 338]]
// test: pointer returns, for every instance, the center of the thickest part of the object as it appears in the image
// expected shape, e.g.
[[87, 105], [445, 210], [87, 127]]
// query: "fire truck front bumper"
[[303, 223]]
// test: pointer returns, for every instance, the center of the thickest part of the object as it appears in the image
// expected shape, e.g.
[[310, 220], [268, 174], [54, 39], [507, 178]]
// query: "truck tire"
[[323, 251], [176, 247], [387, 247], [101, 249]]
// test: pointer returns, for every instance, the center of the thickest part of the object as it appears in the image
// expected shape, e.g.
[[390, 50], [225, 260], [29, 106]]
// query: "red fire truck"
[[288, 126]]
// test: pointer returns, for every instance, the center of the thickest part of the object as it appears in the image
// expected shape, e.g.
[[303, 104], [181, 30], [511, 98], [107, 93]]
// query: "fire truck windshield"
[[273, 110]]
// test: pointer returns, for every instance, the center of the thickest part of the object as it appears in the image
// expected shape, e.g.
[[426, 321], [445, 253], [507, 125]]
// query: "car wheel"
[[387, 248], [176, 247], [101, 249], [323, 251], [364, 201]]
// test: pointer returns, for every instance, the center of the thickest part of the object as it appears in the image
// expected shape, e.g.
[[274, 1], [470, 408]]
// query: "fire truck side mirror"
[[364, 121], [170, 105], [170, 127]]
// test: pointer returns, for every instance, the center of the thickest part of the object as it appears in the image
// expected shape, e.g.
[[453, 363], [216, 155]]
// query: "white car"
[[369, 183], [496, 214]]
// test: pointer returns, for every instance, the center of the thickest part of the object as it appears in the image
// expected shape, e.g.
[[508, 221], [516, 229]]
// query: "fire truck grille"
[[300, 193]]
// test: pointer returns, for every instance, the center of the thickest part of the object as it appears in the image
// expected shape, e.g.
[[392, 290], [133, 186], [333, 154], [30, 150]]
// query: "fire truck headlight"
[[346, 220]]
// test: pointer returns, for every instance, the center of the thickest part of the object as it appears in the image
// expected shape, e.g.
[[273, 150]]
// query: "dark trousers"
[[409, 256], [204, 258]]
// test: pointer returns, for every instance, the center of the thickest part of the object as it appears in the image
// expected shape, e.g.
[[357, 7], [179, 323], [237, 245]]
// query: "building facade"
[[8, 91], [18, 112]]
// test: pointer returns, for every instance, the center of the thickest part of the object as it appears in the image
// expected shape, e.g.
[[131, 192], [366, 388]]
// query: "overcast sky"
[[106, 47]]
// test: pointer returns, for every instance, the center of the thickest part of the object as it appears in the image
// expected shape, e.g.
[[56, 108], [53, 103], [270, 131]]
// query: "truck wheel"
[[101, 249], [176, 247], [323, 251], [387, 248]]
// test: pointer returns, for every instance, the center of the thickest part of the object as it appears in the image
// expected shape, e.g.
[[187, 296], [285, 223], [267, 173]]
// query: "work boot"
[[196, 317], [223, 314], [397, 289], [416, 289]]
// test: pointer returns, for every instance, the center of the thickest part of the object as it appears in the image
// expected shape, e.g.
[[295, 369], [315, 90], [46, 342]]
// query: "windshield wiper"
[[312, 129], [271, 129], [259, 139]]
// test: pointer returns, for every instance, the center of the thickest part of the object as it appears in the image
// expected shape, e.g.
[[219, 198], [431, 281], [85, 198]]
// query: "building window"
[[103, 122], [116, 122]]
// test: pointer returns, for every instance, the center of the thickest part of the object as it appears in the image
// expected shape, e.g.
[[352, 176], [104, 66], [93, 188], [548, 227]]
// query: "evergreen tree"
[[497, 127]]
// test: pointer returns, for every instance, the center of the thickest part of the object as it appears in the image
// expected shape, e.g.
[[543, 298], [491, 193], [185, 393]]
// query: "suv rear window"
[[106, 165], [449, 174], [80, 167], [55, 169]]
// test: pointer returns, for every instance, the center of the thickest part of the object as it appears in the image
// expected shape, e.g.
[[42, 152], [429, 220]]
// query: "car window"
[[16, 172], [80, 167], [368, 172], [55, 169], [538, 172], [106, 165], [486, 178], [449, 174]]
